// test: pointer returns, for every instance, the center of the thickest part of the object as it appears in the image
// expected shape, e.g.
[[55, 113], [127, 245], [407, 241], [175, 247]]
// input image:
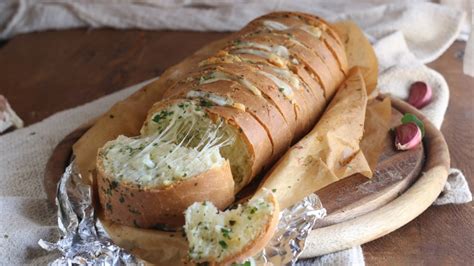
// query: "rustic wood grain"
[[43, 73], [442, 235]]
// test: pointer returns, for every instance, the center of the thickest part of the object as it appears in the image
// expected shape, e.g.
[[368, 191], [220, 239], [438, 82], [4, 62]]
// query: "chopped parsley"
[[206, 103], [247, 263], [253, 210], [223, 244], [114, 184], [208, 77], [225, 232], [162, 115]]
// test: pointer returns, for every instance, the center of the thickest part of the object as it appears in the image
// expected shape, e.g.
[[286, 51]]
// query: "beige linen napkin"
[[406, 34]]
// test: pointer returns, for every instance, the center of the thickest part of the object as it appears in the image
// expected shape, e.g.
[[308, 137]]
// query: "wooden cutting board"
[[347, 200]]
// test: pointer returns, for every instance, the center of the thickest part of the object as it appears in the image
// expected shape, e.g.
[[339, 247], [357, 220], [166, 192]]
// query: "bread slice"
[[221, 238], [146, 181], [251, 147]]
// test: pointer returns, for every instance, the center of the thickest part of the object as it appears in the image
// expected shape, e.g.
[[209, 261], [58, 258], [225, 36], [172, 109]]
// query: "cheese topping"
[[282, 86], [218, 75], [315, 31], [278, 26], [288, 75], [278, 50], [211, 97], [275, 25]]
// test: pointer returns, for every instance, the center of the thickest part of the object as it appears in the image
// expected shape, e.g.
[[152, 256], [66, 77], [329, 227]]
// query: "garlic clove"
[[408, 136], [420, 94]]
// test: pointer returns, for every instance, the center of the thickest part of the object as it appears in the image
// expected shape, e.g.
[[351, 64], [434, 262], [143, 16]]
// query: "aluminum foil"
[[84, 241], [294, 226]]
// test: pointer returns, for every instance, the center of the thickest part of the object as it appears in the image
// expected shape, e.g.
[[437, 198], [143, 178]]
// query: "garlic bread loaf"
[[222, 119]]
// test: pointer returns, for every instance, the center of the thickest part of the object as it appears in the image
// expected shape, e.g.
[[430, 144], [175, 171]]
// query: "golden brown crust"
[[301, 53], [308, 101], [336, 66], [299, 103], [255, 136], [329, 35], [267, 88], [148, 207]]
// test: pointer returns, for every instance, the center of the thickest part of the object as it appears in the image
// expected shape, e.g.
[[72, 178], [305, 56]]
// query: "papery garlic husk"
[[408, 136], [420, 94], [8, 117]]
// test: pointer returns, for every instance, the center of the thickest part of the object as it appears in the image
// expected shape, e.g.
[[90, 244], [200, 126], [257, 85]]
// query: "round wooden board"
[[395, 213], [359, 210]]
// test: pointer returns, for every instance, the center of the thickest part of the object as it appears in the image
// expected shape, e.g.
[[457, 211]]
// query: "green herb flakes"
[[223, 244], [225, 232]]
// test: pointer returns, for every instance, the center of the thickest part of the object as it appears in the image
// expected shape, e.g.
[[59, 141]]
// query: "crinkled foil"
[[84, 241], [294, 226]]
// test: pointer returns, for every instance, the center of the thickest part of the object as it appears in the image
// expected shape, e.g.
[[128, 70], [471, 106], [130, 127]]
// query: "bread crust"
[[306, 101], [329, 35], [267, 87], [335, 64], [258, 142], [150, 207]]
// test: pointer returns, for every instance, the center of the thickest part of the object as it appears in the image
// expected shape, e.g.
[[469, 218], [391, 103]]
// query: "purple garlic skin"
[[420, 94], [408, 136]]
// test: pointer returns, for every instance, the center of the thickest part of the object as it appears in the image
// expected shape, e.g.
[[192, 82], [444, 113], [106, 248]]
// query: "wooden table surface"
[[43, 73]]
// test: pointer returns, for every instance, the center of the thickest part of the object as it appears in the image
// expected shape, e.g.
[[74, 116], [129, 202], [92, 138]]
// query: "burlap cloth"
[[406, 35]]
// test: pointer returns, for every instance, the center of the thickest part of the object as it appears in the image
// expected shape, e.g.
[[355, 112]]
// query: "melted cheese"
[[288, 75], [218, 75], [315, 31], [211, 97], [275, 25], [154, 163], [278, 50], [282, 86], [177, 143]]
